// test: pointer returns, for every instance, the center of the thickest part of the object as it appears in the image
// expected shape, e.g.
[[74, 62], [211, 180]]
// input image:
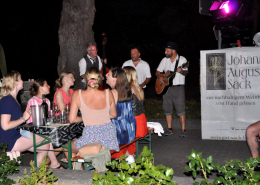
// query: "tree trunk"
[[75, 32]]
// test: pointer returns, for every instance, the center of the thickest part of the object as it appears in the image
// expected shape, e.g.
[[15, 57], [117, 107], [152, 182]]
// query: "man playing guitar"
[[176, 93]]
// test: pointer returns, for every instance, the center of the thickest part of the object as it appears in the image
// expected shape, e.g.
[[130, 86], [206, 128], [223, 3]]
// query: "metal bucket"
[[37, 114]]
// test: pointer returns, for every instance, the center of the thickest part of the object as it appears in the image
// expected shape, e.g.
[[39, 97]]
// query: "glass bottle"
[[45, 110]]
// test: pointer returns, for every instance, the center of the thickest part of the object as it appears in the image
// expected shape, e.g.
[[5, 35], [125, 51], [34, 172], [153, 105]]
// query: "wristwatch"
[[182, 72]]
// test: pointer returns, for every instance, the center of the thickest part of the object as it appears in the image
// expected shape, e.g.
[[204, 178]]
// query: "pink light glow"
[[225, 6]]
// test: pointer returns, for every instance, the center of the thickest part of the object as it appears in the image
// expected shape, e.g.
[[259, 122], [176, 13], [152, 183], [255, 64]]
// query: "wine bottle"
[[45, 110]]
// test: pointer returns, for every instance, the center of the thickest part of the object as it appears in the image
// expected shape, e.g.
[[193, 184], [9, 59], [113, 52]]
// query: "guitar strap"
[[177, 63], [176, 66]]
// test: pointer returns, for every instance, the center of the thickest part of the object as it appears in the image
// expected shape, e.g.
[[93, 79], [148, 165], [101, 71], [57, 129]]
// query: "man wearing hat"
[[176, 93]]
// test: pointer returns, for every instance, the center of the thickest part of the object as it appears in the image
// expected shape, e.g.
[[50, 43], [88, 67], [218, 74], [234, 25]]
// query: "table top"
[[54, 125], [59, 133]]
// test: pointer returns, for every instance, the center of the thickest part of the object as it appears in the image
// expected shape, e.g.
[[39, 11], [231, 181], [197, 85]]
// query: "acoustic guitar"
[[162, 88]]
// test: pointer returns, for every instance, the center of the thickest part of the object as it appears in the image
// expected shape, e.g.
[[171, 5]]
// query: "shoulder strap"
[[107, 97], [80, 98]]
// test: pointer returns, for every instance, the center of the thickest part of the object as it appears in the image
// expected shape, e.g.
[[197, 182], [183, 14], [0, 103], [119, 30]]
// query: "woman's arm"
[[59, 101], [112, 111], [6, 124], [74, 107]]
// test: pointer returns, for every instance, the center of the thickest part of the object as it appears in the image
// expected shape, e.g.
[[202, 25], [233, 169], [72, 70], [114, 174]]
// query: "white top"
[[167, 65], [83, 66], [142, 70]]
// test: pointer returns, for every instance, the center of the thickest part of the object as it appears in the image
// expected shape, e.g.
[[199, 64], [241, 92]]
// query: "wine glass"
[[56, 110]]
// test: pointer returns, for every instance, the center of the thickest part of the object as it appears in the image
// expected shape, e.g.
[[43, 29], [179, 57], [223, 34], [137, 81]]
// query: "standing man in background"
[[90, 60], [176, 93], [142, 68]]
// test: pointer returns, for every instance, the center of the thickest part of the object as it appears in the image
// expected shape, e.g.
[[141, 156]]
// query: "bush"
[[154, 109], [43, 177], [227, 174], [140, 172], [7, 167]]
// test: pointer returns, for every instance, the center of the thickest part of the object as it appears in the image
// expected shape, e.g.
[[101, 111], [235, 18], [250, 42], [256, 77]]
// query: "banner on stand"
[[230, 92]]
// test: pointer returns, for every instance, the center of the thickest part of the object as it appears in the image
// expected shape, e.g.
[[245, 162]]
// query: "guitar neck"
[[171, 75]]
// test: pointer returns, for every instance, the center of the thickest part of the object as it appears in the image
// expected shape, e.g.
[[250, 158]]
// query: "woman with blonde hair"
[[38, 88], [97, 108], [63, 92], [12, 116], [125, 121], [138, 97]]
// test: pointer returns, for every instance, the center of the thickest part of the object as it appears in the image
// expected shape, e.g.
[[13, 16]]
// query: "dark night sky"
[[29, 33]]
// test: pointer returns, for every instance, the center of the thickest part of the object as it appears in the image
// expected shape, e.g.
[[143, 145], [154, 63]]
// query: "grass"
[[153, 109]]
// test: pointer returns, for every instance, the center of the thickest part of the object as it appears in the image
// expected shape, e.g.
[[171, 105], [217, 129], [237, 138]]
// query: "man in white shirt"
[[176, 93], [142, 68], [90, 60]]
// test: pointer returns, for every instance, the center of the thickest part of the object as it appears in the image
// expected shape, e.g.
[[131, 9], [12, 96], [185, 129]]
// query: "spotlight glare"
[[225, 6]]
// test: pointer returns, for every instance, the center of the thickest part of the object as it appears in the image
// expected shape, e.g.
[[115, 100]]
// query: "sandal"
[[64, 160], [59, 167]]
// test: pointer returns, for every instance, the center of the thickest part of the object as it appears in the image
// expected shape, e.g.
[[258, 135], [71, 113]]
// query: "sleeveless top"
[[94, 117], [65, 96], [137, 106]]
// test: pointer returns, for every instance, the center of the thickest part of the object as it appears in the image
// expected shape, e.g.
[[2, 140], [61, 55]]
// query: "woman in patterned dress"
[[125, 121]]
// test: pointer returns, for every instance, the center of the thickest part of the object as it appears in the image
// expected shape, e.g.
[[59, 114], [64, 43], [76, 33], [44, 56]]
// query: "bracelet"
[[23, 119]]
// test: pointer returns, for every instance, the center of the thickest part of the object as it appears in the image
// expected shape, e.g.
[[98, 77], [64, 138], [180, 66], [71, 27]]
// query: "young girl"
[[38, 88], [63, 92]]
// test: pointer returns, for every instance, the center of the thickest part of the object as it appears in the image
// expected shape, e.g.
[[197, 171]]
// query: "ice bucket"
[[37, 115]]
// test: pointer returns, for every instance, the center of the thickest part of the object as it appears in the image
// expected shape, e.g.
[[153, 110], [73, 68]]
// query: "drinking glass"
[[63, 117], [51, 117]]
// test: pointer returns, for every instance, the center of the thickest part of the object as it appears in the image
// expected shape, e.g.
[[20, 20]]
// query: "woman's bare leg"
[[23, 144], [54, 162], [56, 153], [73, 149], [251, 132]]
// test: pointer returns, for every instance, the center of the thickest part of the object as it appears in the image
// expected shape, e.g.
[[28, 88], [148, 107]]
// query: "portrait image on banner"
[[216, 71]]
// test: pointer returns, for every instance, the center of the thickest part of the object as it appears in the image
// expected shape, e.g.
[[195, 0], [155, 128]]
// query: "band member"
[[90, 60], [176, 93], [142, 68]]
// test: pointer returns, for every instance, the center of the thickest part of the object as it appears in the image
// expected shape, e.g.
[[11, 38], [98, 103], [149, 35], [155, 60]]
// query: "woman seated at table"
[[12, 116], [125, 121], [63, 92], [137, 105], [37, 89], [97, 108]]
